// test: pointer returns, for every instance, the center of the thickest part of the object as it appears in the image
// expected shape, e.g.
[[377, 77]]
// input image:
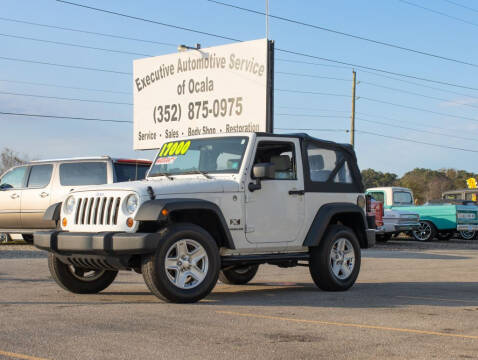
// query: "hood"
[[164, 186]]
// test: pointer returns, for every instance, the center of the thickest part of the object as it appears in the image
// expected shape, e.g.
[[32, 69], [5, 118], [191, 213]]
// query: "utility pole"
[[352, 118]]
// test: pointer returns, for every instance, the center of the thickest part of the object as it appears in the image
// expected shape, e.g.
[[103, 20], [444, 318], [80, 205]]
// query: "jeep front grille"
[[97, 210]]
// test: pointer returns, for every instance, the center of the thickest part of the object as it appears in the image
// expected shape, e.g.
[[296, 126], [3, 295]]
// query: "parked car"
[[393, 221], [462, 194], [214, 207], [26, 191], [437, 219]]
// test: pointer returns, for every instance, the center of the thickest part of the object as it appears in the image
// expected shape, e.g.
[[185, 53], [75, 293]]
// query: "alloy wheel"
[[342, 258], [186, 264]]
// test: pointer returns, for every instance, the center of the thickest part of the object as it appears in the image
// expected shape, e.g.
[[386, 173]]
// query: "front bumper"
[[104, 243], [467, 227]]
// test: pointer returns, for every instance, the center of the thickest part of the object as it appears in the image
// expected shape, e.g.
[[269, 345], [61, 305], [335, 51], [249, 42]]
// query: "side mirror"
[[261, 171], [5, 186]]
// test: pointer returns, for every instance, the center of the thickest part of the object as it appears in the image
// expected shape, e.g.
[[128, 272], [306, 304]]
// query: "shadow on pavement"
[[362, 295], [383, 254]]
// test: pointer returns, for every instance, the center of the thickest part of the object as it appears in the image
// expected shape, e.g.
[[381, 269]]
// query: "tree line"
[[426, 184]]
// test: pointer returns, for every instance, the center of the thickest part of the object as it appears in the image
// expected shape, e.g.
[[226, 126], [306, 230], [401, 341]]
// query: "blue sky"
[[391, 21]]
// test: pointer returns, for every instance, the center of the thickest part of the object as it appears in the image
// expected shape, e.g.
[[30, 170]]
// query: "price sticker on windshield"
[[175, 148]]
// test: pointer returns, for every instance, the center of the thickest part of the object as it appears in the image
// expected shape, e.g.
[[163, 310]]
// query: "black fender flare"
[[324, 216], [52, 213], [151, 211]]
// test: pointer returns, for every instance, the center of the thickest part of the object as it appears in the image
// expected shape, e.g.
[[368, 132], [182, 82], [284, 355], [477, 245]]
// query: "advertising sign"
[[218, 90]]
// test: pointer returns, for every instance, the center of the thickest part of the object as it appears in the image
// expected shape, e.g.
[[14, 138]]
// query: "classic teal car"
[[440, 219]]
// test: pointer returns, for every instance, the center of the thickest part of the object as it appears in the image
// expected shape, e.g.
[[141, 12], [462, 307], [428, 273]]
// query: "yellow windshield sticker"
[[174, 148]]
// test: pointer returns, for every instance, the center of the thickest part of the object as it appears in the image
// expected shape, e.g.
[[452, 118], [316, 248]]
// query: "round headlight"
[[69, 205], [132, 203]]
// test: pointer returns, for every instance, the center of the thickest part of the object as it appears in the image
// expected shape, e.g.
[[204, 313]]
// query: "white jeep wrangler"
[[214, 207]]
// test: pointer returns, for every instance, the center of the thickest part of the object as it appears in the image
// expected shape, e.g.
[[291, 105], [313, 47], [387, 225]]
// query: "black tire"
[[321, 262], [444, 235], [384, 237], [426, 232], [239, 275], [65, 277], [468, 235], [28, 238], [157, 278]]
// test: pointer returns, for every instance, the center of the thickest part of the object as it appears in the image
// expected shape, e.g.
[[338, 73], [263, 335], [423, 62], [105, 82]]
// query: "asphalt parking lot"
[[412, 300]]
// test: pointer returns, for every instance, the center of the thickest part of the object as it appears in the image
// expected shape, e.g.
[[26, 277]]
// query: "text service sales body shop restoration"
[[214, 90]]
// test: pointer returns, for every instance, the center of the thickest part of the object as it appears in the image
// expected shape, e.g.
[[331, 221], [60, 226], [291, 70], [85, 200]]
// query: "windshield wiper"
[[203, 173], [161, 174]]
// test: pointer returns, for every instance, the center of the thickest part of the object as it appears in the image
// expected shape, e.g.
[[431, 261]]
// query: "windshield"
[[211, 155]]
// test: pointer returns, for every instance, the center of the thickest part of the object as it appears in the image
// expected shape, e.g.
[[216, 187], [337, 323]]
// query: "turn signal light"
[[164, 212], [64, 222], [129, 222]]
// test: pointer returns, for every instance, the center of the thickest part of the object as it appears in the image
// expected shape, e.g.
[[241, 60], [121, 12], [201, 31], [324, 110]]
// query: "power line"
[[312, 115], [73, 45], [65, 66], [439, 13], [277, 49], [63, 86], [63, 117], [414, 93], [63, 98], [315, 129], [148, 20], [417, 130], [382, 135], [357, 37], [375, 69], [311, 63], [461, 5], [88, 32], [418, 109], [310, 76], [404, 121], [416, 141], [311, 92], [417, 84]]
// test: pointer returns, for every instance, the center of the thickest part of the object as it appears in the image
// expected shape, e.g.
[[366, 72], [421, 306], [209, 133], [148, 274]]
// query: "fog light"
[[164, 212], [129, 222], [64, 222]]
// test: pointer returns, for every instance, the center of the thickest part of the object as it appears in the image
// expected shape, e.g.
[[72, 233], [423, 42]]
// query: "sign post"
[[217, 90]]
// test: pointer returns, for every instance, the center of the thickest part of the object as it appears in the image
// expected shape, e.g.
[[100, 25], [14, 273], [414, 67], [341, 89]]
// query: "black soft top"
[[347, 149]]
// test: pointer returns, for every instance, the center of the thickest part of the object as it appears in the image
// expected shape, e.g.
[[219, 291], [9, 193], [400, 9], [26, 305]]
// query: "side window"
[[40, 176], [378, 195], [402, 198], [282, 155], [83, 173], [470, 196], [322, 162], [343, 176], [14, 178]]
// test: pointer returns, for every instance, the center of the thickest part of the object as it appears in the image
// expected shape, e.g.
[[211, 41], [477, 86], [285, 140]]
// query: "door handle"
[[44, 194], [296, 192], [14, 196]]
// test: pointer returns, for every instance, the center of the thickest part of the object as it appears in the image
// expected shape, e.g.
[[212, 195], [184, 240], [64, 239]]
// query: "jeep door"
[[36, 197], [275, 212], [11, 187]]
